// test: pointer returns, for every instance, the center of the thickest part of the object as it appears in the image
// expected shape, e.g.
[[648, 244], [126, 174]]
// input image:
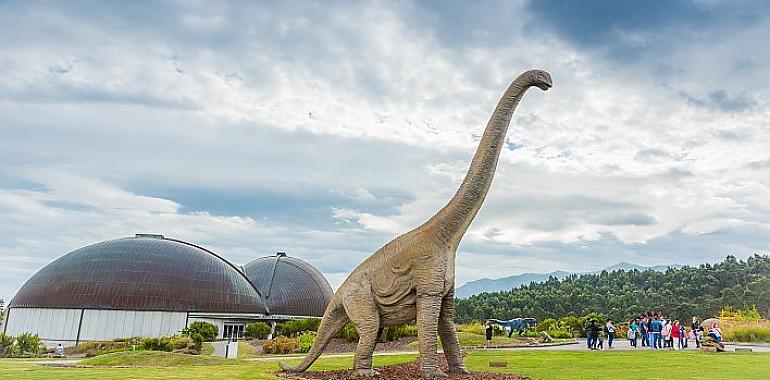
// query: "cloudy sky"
[[325, 129]]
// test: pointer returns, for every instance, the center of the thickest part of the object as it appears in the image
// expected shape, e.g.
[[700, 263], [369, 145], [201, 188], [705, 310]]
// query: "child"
[[601, 339], [632, 337], [698, 336]]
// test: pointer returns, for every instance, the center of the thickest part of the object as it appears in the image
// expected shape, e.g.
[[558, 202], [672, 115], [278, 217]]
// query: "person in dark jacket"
[[489, 330], [695, 326], [593, 334]]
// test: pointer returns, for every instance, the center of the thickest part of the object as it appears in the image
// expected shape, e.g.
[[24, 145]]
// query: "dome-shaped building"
[[141, 273], [149, 285], [289, 286]]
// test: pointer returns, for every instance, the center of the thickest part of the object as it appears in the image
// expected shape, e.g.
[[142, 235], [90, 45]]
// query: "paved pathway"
[[625, 345]]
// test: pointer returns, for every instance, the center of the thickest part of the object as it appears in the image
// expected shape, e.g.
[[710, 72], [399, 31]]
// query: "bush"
[[28, 344], [100, 348], [207, 331], [473, 328], [572, 324], [559, 333], [548, 324], [257, 330], [748, 334], [7, 345], [292, 328], [348, 333], [280, 345], [746, 314], [163, 343], [393, 333], [305, 341]]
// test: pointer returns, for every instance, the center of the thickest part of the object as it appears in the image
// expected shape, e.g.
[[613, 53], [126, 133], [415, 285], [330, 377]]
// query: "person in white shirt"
[[610, 333]]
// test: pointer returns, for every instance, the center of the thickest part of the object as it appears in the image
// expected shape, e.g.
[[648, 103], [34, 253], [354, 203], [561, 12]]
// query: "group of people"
[[596, 334], [652, 330], [657, 332]]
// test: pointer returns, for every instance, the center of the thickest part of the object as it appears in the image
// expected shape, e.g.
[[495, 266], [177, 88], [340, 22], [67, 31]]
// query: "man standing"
[[643, 328], [654, 333]]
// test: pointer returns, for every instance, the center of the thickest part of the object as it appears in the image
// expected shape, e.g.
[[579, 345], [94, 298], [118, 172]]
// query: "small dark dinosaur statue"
[[516, 324], [413, 276]]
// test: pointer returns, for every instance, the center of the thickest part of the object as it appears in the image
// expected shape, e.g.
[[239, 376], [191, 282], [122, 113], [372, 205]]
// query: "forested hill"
[[680, 293]]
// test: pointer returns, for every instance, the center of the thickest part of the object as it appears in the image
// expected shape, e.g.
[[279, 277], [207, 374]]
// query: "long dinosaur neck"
[[453, 220]]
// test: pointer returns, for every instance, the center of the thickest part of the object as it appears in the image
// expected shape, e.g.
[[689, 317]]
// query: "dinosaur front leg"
[[448, 334], [428, 311]]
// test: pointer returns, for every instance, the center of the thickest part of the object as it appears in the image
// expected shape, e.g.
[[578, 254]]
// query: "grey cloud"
[[626, 30], [721, 100]]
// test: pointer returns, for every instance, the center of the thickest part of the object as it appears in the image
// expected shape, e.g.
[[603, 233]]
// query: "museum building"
[[150, 286]]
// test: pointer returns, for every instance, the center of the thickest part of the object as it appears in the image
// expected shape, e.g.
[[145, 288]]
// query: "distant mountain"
[[507, 283], [486, 285], [628, 267]]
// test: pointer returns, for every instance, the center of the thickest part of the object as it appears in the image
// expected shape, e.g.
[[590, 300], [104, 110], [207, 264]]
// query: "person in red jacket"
[[675, 334]]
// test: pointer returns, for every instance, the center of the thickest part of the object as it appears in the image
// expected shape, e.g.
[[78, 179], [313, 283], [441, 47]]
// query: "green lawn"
[[540, 365]]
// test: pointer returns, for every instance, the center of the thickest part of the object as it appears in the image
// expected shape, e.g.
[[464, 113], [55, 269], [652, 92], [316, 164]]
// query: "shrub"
[[548, 324], [572, 324], [473, 328], [348, 333], [207, 331], [163, 343], [7, 345], [559, 333], [257, 330], [280, 345], [28, 344], [305, 340], [100, 348], [393, 333], [746, 314], [748, 334], [292, 328]]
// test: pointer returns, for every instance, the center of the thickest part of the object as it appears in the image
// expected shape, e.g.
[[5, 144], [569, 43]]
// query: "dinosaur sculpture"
[[413, 276], [516, 324]]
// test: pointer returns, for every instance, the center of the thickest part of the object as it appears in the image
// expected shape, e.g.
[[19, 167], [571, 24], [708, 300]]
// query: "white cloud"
[[368, 114]]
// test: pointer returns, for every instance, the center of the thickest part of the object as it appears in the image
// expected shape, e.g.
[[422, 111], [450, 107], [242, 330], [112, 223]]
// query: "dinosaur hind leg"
[[448, 334], [363, 313]]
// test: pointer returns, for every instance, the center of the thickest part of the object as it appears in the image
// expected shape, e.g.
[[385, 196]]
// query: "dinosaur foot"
[[433, 374], [459, 371], [366, 373]]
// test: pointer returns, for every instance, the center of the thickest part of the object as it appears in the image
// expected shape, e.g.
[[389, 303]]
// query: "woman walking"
[[610, 328]]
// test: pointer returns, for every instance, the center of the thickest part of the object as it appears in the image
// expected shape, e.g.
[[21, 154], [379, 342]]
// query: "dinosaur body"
[[516, 324], [412, 277]]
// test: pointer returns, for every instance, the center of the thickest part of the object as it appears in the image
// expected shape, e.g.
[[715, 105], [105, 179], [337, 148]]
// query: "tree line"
[[621, 295]]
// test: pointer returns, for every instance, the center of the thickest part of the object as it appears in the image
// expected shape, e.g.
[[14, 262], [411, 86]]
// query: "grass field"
[[539, 365]]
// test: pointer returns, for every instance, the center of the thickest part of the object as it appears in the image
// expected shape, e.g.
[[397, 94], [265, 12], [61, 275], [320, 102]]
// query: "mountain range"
[[485, 285]]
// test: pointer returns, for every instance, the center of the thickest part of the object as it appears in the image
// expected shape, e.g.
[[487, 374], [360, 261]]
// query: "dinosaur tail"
[[334, 320]]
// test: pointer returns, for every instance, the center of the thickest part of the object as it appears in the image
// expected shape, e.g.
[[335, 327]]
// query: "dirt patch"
[[343, 346], [408, 371]]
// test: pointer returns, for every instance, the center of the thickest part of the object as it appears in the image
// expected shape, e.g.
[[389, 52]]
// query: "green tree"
[[621, 295]]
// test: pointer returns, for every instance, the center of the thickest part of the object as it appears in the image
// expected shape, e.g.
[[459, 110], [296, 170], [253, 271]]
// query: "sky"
[[325, 129]]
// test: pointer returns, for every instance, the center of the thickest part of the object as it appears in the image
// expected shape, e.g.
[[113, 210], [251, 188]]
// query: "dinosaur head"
[[540, 79]]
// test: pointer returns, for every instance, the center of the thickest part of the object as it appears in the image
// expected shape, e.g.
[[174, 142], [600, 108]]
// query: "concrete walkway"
[[625, 345]]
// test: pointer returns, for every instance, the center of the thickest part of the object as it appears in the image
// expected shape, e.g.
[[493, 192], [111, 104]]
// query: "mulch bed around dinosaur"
[[408, 371]]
